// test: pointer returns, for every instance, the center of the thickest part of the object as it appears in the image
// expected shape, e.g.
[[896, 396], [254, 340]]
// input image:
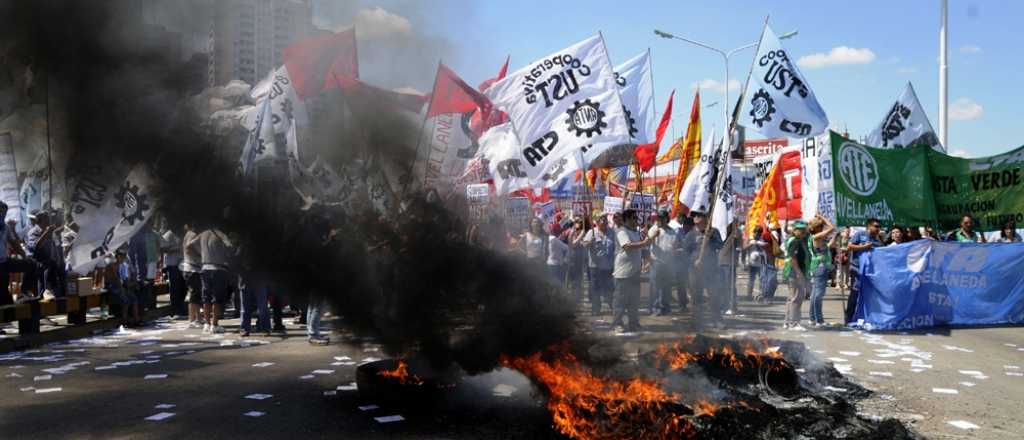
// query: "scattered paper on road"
[[1011, 367], [48, 390], [962, 424], [876, 361], [967, 384], [160, 416], [263, 364], [1013, 373], [945, 391], [850, 353], [880, 373], [342, 358], [330, 392], [155, 376], [164, 406], [350, 387], [389, 419], [254, 414], [43, 377], [368, 407], [836, 389], [259, 396], [105, 367], [305, 377], [971, 372], [955, 348], [323, 371], [838, 360]]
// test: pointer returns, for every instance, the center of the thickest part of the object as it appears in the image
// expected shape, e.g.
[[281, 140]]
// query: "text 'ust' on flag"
[[905, 124], [564, 102], [779, 102]]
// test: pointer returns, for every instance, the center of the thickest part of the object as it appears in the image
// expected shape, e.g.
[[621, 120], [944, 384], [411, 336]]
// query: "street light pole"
[[726, 55]]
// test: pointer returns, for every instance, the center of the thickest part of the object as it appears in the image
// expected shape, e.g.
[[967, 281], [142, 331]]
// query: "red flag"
[[490, 117], [501, 75], [647, 153], [313, 63], [452, 95]]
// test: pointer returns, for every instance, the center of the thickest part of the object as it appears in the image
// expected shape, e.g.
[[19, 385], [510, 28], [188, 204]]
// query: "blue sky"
[[886, 44]]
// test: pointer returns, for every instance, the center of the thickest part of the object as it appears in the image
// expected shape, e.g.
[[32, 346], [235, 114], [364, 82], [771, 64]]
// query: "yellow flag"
[[688, 151]]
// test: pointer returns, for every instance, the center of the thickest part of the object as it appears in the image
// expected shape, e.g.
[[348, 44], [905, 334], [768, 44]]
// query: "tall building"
[[247, 36]]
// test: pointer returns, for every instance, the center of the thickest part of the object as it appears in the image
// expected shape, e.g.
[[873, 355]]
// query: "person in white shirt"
[[558, 255], [600, 245], [663, 253], [626, 272], [191, 266]]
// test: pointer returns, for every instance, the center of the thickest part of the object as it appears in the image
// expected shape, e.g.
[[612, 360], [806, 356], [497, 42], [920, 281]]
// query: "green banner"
[[989, 188], [893, 186]]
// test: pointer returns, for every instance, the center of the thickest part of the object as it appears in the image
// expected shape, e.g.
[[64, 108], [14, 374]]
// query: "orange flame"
[[585, 406], [677, 356], [401, 373], [704, 408]]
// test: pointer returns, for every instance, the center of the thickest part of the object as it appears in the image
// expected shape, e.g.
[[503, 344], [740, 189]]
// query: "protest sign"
[[643, 204], [929, 283], [893, 186], [989, 188], [581, 208], [546, 210], [612, 205], [478, 193], [517, 213], [817, 195]]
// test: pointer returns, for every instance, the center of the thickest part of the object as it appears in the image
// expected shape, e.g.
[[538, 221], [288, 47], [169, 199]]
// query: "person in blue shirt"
[[860, 243]]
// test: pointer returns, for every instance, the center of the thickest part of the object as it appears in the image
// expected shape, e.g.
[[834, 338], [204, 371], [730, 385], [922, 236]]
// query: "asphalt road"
[[209, 377]]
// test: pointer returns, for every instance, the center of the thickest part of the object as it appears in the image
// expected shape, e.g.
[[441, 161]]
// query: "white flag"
[[563, 102], [499, 148], [109, 215], [697, 189], [817, 195], [636, 89], [905, 124], [778, 101], [284, 101], [262, 141], [451, 147], [723, 212]]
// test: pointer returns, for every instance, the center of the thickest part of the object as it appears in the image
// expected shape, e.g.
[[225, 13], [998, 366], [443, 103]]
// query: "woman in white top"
[[533, 242], [558, 255]]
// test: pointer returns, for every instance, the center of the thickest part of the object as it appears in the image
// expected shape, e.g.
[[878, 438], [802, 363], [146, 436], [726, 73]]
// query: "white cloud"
[[959, 152], [716, 86], [907, 70], [970, 48], [378, 23], [840, 55], [964, 109]]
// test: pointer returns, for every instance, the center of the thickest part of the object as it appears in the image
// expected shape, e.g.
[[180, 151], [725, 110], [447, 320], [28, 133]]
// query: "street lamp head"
[[663, 34], [788, 35]]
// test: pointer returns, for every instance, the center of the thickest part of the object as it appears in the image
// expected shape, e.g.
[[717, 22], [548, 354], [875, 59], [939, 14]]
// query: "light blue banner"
[[929, 283]]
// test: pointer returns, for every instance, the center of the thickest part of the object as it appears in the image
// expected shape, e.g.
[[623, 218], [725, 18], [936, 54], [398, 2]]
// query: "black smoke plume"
[[409, 280]]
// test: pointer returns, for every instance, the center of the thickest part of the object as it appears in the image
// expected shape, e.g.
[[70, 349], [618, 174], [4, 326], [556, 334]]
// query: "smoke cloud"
[[410, 279]]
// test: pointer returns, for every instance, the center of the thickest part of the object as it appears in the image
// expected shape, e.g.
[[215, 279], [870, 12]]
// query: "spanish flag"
[[688, 150], [766, 201]]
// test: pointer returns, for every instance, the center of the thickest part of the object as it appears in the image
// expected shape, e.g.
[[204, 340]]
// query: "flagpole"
[[419, 138], [49, 148], [727, 141], [943, 75]]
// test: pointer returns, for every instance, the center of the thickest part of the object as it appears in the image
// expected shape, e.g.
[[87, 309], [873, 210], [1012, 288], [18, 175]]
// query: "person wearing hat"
[[797, 259], [666, 241]]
